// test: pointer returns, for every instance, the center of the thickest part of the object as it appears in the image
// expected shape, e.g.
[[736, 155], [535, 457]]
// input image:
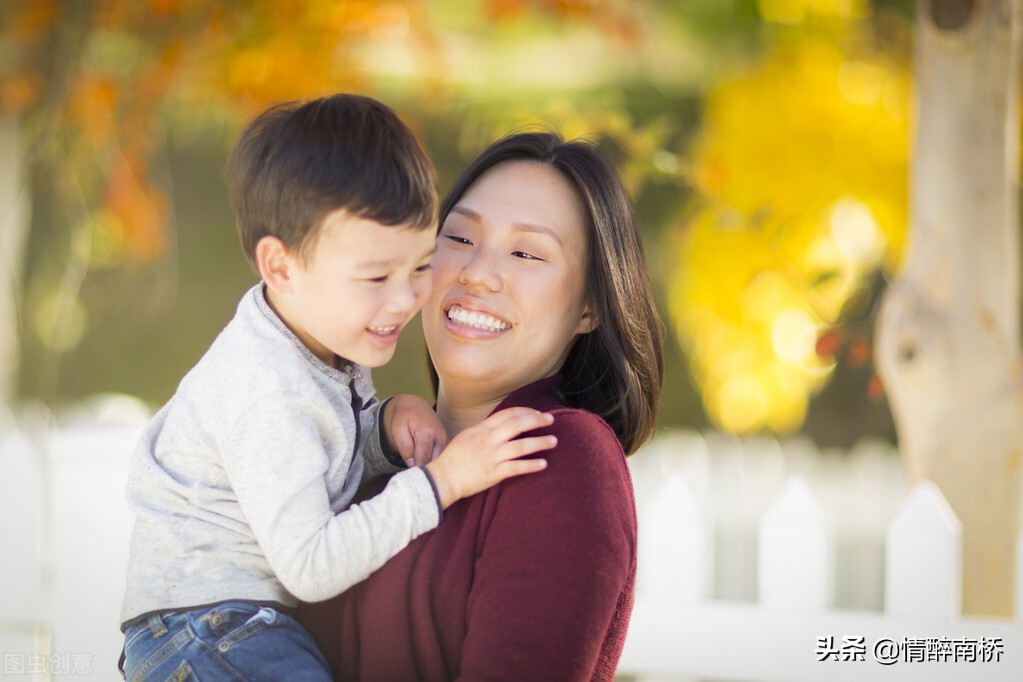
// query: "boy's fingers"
[[526, 446], [438, 447], [509, 413], [521, 423], [422, 445], [518, 467], [403, 443]]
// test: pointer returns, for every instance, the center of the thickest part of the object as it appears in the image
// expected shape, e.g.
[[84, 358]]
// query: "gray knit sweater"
[[242, 484]]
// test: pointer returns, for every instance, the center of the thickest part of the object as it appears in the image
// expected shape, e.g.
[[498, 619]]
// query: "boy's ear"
[[274, 262]]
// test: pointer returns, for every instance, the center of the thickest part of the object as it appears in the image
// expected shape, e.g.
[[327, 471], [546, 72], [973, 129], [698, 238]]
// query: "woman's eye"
[[377, 280], [458, 240], [423, 268], [526, 256]]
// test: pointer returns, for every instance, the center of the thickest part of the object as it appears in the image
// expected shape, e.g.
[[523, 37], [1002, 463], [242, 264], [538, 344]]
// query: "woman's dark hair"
[[299, 161], [616, 370]]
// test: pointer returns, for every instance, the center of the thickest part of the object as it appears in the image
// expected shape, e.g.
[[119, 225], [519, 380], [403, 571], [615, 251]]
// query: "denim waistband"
[[277, 606]]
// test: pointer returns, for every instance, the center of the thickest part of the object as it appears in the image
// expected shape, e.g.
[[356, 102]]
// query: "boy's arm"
[[380, 456], [276, 462], [276, 459]]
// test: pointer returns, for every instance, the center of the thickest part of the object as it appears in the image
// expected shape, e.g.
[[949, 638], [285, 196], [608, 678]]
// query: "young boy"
[[242, 483]]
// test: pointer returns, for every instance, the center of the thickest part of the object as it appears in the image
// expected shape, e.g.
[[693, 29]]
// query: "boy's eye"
[[423, 268], [377, 280]]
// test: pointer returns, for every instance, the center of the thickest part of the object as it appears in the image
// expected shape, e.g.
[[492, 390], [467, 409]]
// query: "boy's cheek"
[[423, 291]]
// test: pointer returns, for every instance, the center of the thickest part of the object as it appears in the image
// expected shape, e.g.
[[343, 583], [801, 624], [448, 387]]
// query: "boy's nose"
[[405, 299]]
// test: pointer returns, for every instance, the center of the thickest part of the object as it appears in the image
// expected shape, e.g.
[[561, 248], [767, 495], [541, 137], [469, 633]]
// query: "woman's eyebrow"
[[467, 212], [519, 226], [538, 229]]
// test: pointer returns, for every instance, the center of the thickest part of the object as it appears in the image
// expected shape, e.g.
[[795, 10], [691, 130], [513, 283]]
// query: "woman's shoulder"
[[586, 487], [583, 428], [587, 449], [586, 443]]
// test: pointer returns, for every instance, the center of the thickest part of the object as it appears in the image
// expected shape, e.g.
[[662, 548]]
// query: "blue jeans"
[[230, 641]]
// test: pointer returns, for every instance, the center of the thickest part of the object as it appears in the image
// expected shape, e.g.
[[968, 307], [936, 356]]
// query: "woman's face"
[[509, 280]]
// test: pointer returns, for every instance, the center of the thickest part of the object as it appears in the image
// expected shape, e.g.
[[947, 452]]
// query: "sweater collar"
[[348, 371], [541, 395]]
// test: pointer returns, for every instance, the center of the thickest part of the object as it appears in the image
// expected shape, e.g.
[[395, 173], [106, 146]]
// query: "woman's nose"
[[480, 271]]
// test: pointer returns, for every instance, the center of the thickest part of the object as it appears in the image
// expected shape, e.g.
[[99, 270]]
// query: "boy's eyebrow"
[[520, 226], [386, 263], [371, 264]]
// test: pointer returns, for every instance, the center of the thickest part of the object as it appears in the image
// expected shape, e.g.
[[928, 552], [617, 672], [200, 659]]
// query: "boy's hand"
[[486, 454], [413, 429]]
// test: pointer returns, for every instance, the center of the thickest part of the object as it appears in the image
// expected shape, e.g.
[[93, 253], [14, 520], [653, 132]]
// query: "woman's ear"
[[588, 321], [274, 262]]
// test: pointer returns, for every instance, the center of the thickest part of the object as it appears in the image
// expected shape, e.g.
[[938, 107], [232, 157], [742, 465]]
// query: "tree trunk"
[[948, 338], [14, 219]]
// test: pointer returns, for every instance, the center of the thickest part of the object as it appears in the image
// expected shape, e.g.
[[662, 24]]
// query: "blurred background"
[[767, 147], [764, 143]]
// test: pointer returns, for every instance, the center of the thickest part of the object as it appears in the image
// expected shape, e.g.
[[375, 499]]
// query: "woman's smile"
[[472, 319]]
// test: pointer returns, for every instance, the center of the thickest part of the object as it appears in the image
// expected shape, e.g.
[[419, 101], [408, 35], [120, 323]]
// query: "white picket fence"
[[752, 555], [766, 560], [65, 529]]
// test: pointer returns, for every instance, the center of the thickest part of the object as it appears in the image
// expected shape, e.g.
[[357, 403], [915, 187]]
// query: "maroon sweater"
[[530, 580]]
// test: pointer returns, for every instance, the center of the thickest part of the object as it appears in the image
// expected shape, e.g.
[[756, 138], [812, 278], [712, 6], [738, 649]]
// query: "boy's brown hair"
[[299, 161]]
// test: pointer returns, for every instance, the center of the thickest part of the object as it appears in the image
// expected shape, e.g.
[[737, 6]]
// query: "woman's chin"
[[465, 370]]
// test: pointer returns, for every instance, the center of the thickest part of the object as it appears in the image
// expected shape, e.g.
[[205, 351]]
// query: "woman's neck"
[[458, 411]]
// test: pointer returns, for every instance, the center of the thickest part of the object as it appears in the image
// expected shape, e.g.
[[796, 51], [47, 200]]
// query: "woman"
[[540, 299]]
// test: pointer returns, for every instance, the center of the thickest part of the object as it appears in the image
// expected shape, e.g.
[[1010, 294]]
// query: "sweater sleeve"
[[558, 551], [381, 460], [276, 460]]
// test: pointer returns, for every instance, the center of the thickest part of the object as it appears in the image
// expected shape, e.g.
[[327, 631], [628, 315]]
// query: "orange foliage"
[[875, 389], [98, 79], [135, 210], [123, 62], [34, 19], [615, 19]]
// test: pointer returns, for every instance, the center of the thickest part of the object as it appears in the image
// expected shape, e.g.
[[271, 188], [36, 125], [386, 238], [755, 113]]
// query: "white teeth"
[[383, 331], [476, 319]]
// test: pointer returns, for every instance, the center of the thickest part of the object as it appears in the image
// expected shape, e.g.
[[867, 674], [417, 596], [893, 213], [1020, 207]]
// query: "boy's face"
[[362, 283]]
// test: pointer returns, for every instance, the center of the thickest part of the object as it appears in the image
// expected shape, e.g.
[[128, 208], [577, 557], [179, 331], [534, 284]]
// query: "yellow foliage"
[[802, 164], [798, 11]]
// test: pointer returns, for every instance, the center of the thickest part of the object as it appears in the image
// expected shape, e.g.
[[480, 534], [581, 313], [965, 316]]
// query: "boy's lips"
[[386, 334]]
